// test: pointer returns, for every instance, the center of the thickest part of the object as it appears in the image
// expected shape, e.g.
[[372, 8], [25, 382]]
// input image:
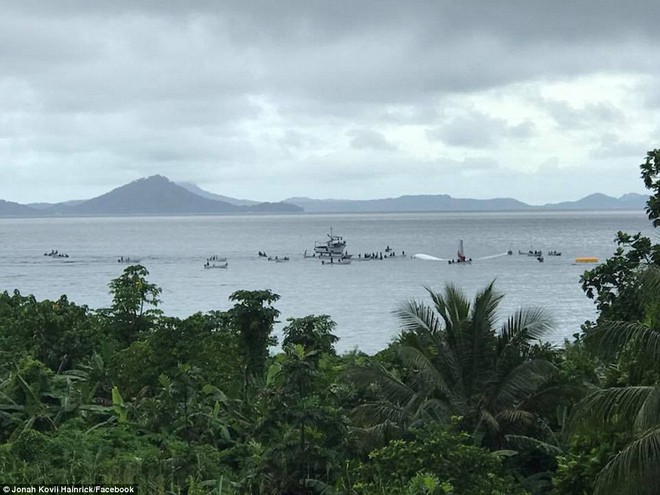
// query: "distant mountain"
[[193, 188], [10, 209], [155, 195], [439, 202], [444, 202], [598, 201], [46, 206]]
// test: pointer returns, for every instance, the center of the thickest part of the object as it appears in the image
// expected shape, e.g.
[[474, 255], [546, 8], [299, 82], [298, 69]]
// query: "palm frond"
[[530, 443], [608, 405], [392, 387], [374, 413], [377, 435], [431, 377], [417, 317], [649, 281], [649, 414], [609, 337], [484, 309], [523, 381], [487, 420], [452, 305], [436, 410], [634, 467], [525, 325]]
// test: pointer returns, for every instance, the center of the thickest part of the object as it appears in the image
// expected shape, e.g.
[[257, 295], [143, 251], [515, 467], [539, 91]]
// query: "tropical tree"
[[635, 407], [134, 300], [298, 440], [626, 336], [613, 284], [453, 362], [253, 317]]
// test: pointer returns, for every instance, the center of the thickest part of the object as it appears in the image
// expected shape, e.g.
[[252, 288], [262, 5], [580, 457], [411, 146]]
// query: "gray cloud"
[[105, 92], [477, 130], [368, 139], [570, 117]]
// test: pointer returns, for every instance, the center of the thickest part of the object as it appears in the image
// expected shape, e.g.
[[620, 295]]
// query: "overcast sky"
[[541, 101]]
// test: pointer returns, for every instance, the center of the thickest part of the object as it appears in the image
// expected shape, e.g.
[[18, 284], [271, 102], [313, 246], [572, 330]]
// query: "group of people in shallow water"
[[464, 260], [389, 253], [56, 254], [277, 258]]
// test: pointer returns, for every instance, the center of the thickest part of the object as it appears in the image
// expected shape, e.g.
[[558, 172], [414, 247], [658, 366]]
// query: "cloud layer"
[[267, 100]]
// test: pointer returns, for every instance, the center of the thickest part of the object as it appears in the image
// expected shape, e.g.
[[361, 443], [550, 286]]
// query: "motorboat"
[[533, 253], [208, 266], [218, 258], [332, 248], [56, 254], [277, 259], [333, 261], [126, 259], [554, 253]]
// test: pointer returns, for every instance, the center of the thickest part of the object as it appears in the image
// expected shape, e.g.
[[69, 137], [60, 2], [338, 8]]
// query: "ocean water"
[[361, 297]]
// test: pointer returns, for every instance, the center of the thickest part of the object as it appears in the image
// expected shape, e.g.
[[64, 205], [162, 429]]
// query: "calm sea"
[[360, 297]]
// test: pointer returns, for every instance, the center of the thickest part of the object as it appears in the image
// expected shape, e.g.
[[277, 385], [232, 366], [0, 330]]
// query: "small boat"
[[126, 259], [554, 253], [208, 266], [277, 259], [540, 259], [333, 261], [215, 257], [56, 254], [531, 252]]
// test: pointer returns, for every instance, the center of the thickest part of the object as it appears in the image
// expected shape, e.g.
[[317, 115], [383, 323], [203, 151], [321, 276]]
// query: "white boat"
[[332, 248], [334, 261], [533, 253], [208, 265], [126, 259], [215, 257]]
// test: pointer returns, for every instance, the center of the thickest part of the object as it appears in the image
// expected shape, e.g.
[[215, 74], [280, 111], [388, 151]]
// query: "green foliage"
[[300, 438], [578, 468], [313, 332], [614, 284], [651, 177], [58, 333], [119, 454], [206, 341], [455, 362], [435, 460], [253, 318], [132, 294]]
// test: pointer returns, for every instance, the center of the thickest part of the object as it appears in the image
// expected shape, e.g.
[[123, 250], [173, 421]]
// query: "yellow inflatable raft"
[[586, 259]]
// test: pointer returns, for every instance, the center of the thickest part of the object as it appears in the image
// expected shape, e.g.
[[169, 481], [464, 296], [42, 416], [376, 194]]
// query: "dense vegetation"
[[454, 405]]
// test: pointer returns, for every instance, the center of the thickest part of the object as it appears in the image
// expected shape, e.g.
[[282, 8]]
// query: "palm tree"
[[455, 363], [635, 407]]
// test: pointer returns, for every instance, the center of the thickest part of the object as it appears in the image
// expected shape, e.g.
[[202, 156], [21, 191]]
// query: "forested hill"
[[444, 202]]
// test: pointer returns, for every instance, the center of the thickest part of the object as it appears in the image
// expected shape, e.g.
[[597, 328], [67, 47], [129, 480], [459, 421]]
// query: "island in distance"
[[157, 195]]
